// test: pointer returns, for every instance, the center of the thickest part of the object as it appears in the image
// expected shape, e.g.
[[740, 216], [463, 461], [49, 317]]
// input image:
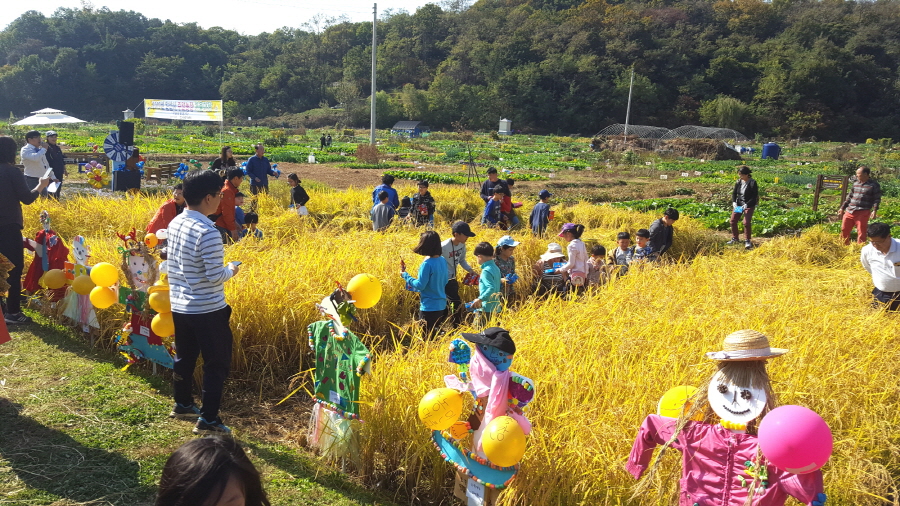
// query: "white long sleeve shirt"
[[35, 160], [454, 255], [197, 272], [577, 258], [884, 268]]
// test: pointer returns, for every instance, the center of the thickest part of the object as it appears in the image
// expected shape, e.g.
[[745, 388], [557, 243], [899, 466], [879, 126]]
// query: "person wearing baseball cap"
[[454, 252], [540, 215], [56, 160]]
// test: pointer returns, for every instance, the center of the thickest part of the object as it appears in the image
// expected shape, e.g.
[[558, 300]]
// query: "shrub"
[[367, 153]]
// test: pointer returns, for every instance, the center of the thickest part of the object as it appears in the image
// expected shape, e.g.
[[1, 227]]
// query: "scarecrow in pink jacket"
[[722, 464]]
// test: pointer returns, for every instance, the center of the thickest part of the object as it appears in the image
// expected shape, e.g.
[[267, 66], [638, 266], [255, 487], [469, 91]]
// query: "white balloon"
[[161, 234]]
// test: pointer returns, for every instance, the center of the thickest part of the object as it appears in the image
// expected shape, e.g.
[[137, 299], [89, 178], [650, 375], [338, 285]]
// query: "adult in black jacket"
[[744, 198], [13, 193], [493, 180]]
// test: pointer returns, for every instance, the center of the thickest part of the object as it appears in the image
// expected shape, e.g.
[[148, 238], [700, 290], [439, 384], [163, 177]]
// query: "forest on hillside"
[[791, 68]]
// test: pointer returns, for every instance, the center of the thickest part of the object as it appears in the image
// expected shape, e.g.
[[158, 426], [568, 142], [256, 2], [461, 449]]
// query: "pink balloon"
[[795, 439]]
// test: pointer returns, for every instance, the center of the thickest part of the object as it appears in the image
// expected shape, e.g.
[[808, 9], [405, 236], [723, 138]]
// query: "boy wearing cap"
[[56, 160], [488, 302], [661, 232], [454, 252], [423, 206], [34, 158], [540, 215]]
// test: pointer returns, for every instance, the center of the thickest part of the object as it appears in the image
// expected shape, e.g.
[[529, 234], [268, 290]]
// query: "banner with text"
[[187, 110]]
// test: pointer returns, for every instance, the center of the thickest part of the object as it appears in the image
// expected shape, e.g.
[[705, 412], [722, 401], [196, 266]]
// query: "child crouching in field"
[[598, 271], [492, 216], [487, 305], [252, 219], [299, 197], [622, 255], [503, 257], [547, 280], [643, 251]]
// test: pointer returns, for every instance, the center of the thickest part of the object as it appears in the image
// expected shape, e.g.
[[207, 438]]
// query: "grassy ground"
[[78, 430]]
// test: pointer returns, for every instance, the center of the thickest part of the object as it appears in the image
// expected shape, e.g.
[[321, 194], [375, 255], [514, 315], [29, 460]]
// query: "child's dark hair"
[[485, 249], [198, 472], [200, 183], [500, 249], [577, 231], [598, 250], [178, 186], [429, 244], [233, 173], [251, 218], [499, 189], [643, 233], [423, 184], [294, 177], [623, 235], [510, 182], [387, 179], [383, 195], [405, 202], [239, 195]]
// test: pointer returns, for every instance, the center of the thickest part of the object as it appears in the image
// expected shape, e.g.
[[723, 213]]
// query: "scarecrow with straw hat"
[[716, 433]]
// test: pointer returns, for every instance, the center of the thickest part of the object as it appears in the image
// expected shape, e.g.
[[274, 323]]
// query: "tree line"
[[792, 68]]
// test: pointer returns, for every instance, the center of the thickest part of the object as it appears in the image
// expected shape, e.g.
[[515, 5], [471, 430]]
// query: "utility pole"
[[374, 45], [628, 110]]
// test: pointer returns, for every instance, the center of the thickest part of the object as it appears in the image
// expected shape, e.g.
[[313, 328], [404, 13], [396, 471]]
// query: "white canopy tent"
[[46, 117]]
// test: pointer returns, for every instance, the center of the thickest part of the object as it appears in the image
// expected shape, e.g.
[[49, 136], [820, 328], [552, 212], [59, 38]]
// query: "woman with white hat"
[[547, 280]]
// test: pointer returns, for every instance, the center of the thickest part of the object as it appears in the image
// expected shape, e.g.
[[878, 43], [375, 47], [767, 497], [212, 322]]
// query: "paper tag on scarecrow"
[[474, 493]]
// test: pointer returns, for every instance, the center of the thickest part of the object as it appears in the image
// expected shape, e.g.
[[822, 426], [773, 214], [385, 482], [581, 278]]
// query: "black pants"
[[455, 306], [209, 335], [889, 299], [11, 248], [433, 320], [259, 188]]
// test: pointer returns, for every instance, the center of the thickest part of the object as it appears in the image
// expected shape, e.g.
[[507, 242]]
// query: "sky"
[[249, 17]]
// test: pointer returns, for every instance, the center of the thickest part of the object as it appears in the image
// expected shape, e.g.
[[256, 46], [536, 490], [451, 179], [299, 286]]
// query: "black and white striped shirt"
[[197, 273]]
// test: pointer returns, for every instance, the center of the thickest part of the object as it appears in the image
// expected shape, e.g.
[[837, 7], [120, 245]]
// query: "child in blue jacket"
[[487, 305], [431, 281]]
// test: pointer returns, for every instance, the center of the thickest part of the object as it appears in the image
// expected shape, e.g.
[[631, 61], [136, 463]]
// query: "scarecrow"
[[78, 305], [51, 252], [487, 447], [716, 432], [341, 360]]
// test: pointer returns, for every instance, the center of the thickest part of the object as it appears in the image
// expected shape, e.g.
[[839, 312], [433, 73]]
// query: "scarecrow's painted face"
[[735, 403], [500, 359], [140, 271], [79, 252]]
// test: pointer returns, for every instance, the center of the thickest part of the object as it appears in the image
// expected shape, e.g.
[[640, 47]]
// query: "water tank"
[[771, 150], [505, 127]]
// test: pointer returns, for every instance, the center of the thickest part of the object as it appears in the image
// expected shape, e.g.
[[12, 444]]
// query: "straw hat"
[[745, 345], [554, 250]]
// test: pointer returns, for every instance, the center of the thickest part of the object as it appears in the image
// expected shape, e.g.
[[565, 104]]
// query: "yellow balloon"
[[54, 279], [83, 285], [151, 240], [675, 401], [440, 408], [104, 274], [365, 290], [103, 297], [503, 441], [159, 302], [162, 324]]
